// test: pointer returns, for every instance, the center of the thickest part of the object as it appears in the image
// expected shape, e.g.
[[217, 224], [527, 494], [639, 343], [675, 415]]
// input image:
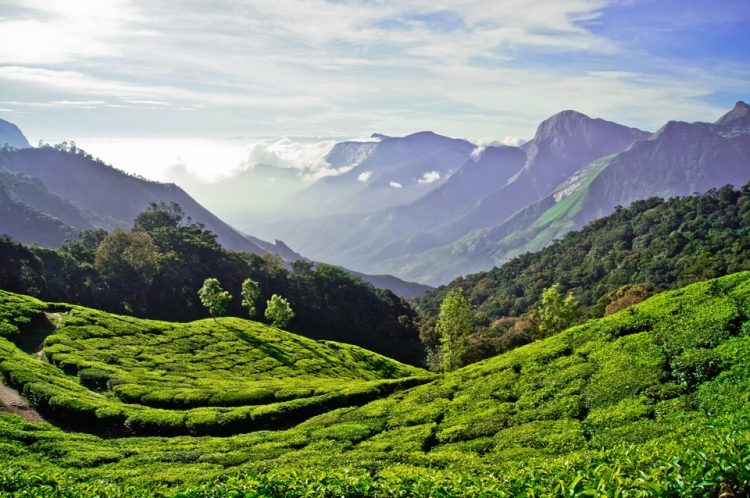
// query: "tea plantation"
[[651, 401], [116, 375]]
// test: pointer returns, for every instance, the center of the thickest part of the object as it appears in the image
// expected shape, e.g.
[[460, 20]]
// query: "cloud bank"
[[316, 67]]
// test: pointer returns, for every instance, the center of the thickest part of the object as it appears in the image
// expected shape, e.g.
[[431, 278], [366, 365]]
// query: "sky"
[[213, 86]]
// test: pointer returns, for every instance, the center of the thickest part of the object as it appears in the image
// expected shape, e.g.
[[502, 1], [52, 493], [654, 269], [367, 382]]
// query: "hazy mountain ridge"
[[11, 136], [26, 222], [50, 194], [679, 159], [383, 173], [490, 186], [109, 198]]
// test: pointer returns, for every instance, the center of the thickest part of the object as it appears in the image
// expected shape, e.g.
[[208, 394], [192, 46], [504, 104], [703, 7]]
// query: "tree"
[[128, 262], [214, 297], [279, 311], [250, 292], [455, 321], [124, 255], [159, 215], [556, 313], [625, 296]]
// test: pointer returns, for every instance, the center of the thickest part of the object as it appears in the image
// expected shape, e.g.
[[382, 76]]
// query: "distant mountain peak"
[[564, 123], [738, 116], [422, 134], [569, 132], [379, 136]]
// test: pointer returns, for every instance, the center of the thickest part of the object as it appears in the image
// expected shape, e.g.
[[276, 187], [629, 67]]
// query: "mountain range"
[[424, 207], [48, 194], [502, 200]]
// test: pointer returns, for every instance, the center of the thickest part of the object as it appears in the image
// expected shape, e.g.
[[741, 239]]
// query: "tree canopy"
[[213, 297], [279, 311]]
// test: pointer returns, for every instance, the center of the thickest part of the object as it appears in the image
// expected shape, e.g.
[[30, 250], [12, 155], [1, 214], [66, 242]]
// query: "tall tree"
[[556, 313], [250, 292], [456, 320], [128, 261], [214, 297]]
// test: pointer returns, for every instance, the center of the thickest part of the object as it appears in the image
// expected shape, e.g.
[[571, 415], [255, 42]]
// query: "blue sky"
[[315, 68]]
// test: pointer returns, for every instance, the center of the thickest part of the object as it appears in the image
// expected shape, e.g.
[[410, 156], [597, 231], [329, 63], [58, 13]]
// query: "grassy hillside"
[[650, 401], [106, 373]]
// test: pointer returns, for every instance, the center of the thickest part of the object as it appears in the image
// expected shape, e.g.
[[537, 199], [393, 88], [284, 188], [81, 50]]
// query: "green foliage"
[[454, 322], [649, 401], [329, 303], [213, 297], [654, 244], [250, 292], [108, 373], [556, 313], [159, 215], [279, 311]]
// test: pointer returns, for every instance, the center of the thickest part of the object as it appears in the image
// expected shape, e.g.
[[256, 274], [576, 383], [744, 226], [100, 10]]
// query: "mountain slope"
[[649, 401], [383, 173], [108, 197], [11, 136], [679, 159], [24, 222], [485, 190], [655, 243], [563, 143]]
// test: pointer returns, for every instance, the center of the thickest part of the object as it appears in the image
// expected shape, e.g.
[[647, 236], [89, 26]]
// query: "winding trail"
[[11, 400]]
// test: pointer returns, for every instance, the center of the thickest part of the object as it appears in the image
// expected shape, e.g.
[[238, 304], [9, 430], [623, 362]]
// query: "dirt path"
[[12, 402]]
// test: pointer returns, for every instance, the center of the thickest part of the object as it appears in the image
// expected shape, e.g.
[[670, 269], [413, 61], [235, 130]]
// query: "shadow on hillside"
[[268, 349], [33, 334]]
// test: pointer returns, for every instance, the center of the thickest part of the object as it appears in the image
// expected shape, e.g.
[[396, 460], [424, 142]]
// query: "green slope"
[[660, 244], [651, 401], [107, 373]]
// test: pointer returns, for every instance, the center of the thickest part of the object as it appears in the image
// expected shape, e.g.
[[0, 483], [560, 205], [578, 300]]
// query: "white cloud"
[[288, 153], [364, 176], [335, 68], [395, 184], [429, 177], [483, 143]]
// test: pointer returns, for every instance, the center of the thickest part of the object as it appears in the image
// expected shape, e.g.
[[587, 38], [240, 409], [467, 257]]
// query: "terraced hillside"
[[651, 401], [107, 373]]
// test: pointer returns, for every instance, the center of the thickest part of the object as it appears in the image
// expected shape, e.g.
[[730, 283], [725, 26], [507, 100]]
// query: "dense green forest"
[[156, 269], [650, 246], [649, 401]]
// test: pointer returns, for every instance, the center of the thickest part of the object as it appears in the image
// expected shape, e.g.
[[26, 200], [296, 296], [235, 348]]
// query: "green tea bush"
[[661, 410]]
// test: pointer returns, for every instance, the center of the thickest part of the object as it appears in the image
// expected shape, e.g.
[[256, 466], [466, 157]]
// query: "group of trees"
[[614, 262], [154, 269], [278, 310], [454, 337]]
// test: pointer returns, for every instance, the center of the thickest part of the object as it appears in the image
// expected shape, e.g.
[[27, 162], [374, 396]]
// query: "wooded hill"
[[651, 246], [156, 270]]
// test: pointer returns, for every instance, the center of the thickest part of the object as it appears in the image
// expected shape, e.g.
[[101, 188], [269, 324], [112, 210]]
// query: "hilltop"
[[108, 373]]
